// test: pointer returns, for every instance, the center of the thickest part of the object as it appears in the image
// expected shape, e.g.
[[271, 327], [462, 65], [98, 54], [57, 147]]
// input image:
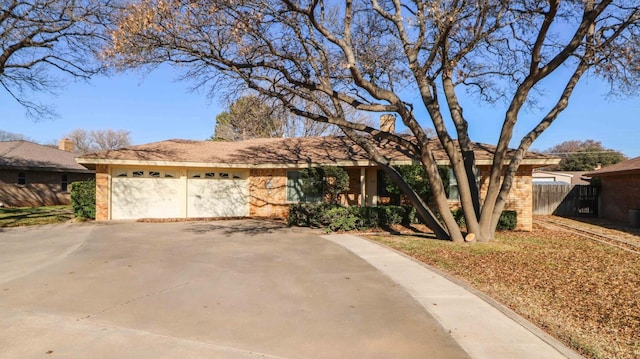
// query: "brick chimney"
[[66, 144], [388, 123]]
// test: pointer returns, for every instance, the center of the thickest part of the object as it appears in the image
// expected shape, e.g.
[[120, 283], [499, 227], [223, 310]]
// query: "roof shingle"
[[273, 151], [25, 155], [631, 165]]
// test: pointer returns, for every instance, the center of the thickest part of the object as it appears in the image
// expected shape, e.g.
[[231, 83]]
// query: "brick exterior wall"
[[102, 192], [270, 200], [268, 193], [42, 188], [619, 194], [520, 198]]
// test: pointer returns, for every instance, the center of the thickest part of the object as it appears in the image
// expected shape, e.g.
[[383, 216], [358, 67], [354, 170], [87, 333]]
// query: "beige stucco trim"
[[112, 162], [360, 163]]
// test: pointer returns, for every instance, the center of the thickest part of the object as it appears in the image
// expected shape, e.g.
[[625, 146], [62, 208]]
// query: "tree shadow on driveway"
[[249, 227]]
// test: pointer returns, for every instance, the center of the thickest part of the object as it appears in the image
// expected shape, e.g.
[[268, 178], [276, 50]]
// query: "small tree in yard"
[[323, 59]]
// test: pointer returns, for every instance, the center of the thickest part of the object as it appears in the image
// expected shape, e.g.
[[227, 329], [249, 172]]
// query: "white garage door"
[[217, 193], [145, 194]]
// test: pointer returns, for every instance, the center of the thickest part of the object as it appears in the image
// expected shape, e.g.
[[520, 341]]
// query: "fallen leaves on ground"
[[585, 293]]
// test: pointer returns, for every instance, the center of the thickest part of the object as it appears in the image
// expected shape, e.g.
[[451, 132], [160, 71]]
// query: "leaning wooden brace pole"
[[422, 210]]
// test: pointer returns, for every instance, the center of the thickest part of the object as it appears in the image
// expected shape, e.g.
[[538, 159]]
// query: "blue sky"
[[156, 107]]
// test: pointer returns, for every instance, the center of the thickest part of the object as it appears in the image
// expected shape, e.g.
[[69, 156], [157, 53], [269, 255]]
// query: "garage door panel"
[[145, 198], [217, 198]]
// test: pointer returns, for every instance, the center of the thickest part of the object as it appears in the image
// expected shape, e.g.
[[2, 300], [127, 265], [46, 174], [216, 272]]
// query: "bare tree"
[[317, 57], [98, 140], [10, 136], [41, 39]]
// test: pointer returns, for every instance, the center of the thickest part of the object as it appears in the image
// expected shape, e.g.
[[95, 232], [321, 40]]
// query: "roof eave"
[[612, 173], [46, 169], [92, 162]]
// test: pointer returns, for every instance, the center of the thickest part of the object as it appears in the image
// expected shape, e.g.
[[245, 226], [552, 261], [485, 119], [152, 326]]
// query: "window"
[[64, 183], [294, 187], [212, 174], [296, 191], [454, 193], [153, 173], [22, 178]]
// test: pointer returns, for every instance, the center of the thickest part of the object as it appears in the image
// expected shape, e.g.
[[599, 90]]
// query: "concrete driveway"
[[229, 289]]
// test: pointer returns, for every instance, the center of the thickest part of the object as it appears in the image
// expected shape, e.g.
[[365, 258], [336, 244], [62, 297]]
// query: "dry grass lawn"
[[582, 292], [30, 216]]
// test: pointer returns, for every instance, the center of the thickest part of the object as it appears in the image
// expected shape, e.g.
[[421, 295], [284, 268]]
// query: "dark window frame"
[[22, 178], [64, 183], [295, 191]]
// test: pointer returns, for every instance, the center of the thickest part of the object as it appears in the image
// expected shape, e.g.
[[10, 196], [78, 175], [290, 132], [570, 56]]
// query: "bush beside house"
[[83, 199], [324, 185], [334, 217]]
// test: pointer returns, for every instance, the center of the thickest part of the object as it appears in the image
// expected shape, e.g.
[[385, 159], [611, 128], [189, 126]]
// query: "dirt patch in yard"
[[585, 293]]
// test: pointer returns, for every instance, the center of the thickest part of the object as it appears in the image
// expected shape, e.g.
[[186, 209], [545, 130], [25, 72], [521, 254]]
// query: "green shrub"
[[458, 215], [309, 214], [298, 215], [508, 220], [389, 215], [337, 218], [410, 216], [340, 219], [83, 199], [366, 217]]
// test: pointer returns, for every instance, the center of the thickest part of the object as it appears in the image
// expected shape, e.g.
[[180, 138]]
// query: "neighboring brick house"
[[37, 175], [619, 189], [259, 177], [568, 177]]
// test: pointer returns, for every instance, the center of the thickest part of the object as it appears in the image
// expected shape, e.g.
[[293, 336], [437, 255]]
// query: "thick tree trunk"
[[466, 199], [440, 197]]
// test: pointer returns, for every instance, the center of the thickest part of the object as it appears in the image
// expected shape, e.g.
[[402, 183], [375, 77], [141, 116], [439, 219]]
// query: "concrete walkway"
[[482, 329]]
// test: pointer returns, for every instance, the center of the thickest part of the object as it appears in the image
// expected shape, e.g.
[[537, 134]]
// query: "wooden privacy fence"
[[563, 199]]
